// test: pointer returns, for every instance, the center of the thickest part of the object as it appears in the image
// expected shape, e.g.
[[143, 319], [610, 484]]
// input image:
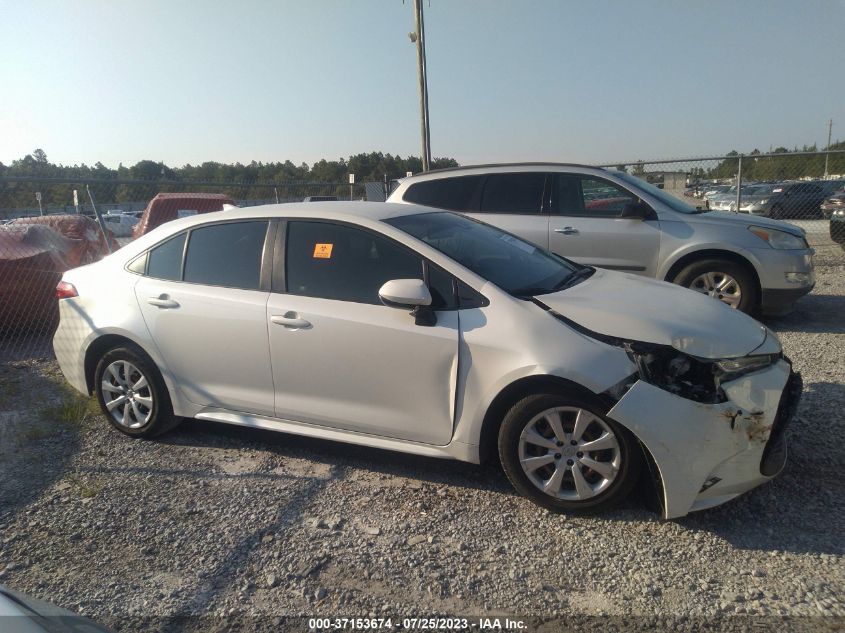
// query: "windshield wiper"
[[574, 277]]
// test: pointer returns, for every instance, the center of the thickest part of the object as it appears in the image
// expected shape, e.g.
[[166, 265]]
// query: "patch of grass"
[[87, 489], [73, 408]]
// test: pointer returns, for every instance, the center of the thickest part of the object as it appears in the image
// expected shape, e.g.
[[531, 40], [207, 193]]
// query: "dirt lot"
[[226, 522]]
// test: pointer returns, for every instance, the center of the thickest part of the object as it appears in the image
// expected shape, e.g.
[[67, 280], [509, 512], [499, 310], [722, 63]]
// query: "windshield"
[[669, 200], [516, 266]]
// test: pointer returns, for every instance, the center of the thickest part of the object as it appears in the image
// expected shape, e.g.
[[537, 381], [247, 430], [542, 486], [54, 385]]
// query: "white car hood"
[[650, 311]]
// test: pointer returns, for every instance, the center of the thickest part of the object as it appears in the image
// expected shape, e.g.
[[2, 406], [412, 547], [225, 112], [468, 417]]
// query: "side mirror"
[[636, 211], [405, 293], [409, 294]]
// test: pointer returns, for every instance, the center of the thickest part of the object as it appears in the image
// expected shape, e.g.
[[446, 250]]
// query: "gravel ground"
[[221, 521]]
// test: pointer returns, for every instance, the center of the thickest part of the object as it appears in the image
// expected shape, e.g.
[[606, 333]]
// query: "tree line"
[[252, 180], [780, 164]]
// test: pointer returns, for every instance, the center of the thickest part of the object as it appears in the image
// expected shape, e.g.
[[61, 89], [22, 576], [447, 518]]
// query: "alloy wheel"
[[720, 286], [127, 394], [569, 453]]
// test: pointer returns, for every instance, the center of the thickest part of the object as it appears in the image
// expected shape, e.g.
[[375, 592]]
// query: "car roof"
[[339, 211], [470, 170]]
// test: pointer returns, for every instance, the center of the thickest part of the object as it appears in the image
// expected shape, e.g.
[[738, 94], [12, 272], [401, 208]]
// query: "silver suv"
[[614, 220]]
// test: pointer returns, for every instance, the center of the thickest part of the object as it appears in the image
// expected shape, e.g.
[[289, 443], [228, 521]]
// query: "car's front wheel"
[[565, 455], [727, 281], [132, 394]]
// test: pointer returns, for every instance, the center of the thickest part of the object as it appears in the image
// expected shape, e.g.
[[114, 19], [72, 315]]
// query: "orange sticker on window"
[[323, 251]]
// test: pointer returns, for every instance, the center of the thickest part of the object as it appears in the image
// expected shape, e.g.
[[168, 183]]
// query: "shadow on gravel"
[[221, 579], [815, 313], [34, 451], [416, 467], [431, 470]]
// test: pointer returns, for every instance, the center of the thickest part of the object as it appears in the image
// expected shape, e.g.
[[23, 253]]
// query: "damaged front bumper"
[[707, 454]]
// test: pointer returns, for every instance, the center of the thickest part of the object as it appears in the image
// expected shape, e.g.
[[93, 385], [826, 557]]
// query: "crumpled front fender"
[[692, 442]]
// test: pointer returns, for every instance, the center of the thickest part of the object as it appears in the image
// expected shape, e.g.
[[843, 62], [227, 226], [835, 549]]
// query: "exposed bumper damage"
[[708, 454]]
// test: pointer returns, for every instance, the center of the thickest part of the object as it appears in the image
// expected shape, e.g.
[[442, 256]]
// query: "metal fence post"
[[738, 184]]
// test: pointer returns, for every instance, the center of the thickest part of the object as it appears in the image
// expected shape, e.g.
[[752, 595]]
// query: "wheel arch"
[[649, 486], [103, 344], [513, 393], [713, 253]]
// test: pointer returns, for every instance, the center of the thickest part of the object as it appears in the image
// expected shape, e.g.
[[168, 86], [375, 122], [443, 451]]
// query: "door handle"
[[567, 230], [163, 301], [291, 321]]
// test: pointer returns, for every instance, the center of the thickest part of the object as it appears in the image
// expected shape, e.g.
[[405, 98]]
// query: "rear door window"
[[227, 254], [457, 194], [518, 193]]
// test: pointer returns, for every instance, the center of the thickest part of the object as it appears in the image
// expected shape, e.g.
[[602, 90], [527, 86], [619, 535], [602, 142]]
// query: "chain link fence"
[[803, 188], [49, 225]]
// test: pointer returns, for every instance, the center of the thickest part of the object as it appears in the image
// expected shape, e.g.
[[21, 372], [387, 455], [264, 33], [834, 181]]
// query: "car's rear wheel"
[[565, 455], [132, 394], [722, 279]]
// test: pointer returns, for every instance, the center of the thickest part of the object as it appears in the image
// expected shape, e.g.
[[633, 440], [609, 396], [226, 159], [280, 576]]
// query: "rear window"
[[457, 194], [165, 260]]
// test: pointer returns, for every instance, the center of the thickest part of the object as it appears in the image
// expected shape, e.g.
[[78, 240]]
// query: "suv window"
[[591, 197], [513, 193], [334, 261], [457, 193], [165, 260], [227, 254]]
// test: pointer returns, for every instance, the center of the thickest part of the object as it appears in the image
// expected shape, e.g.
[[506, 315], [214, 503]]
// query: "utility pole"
[[827, 155], [418, 36]]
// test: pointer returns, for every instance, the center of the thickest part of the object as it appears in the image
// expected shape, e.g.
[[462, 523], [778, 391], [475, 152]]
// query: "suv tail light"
[[66, 290]]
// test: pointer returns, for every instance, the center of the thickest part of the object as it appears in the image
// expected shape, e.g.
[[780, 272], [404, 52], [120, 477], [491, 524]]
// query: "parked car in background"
[[121, 224], [800, 200], [428, 332], [833, 203], [615, 220], [169, 206], [837, 226], [715, 190], [319, 199]]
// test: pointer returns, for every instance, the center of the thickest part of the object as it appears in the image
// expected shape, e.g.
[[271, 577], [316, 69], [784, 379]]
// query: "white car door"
[[342, 359], [585, 226], [207, 316]]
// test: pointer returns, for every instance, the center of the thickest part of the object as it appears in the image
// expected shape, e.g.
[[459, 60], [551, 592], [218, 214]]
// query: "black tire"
[[160, 415], [776, 212], [524, 412], [745, 280]]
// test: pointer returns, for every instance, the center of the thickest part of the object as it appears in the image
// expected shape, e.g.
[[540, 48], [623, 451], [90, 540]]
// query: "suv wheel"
[[132, 394], [566, 456], [722, 279]]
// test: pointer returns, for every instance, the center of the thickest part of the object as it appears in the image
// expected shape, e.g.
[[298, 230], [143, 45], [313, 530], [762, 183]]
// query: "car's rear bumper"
[[707, 454]]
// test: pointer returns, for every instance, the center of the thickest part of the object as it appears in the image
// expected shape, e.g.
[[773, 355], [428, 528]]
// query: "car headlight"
[[735, 367], [690, 377], [780, 240], [839, 213]]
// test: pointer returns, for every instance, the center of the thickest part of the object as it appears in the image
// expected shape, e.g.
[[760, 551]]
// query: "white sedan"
[[404, 328]]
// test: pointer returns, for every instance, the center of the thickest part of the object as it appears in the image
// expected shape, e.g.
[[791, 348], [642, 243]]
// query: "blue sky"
[[184, 82]]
